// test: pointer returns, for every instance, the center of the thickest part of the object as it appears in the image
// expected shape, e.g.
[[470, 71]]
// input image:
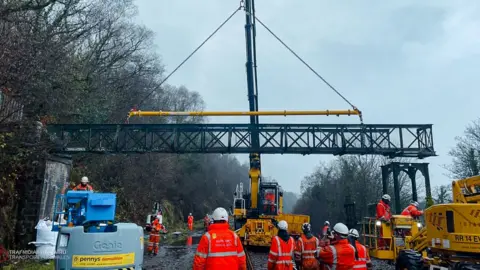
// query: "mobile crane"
[[254, 224], [450, 238]]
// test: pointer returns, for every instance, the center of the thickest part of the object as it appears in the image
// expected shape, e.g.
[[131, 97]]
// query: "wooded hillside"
[[77, 61]]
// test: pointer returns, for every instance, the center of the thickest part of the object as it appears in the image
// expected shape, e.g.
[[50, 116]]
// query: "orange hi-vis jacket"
[[383, 210], [270, 198], [190, 222], [306, 251], [325, 230], [412, 211], [363, 257], [339, 256], [281, 254], [154, 238], [219, 249], [83, 188]]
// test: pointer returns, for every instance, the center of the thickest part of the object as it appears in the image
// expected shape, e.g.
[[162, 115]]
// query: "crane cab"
[[270, 198], [270, 202]]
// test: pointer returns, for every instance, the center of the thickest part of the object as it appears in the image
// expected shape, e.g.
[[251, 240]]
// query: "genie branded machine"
[[90, 239]]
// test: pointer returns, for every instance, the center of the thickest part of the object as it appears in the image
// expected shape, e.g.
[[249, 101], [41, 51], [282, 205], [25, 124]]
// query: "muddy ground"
[[179, 256]]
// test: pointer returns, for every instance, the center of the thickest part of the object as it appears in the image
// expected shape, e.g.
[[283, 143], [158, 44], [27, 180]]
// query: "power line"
[[190, 55], [307, 65]]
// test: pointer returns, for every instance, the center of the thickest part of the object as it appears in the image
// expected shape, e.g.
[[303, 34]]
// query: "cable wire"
[[307, 65], [190, 55]]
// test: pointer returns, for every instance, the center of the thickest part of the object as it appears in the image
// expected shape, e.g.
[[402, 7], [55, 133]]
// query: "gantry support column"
[[411, 170]]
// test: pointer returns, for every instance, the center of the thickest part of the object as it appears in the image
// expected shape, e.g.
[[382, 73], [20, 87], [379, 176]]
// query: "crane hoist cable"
[[189, 56], [309, 67]]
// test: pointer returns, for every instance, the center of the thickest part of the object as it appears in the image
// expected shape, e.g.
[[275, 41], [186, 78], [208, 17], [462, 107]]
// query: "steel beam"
[[387, 140]]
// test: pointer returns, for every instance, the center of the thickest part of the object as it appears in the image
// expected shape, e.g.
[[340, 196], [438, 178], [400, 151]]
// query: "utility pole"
[[251, 68]]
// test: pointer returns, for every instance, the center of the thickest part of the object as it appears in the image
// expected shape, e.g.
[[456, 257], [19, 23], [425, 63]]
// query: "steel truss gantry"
[[337, 139]]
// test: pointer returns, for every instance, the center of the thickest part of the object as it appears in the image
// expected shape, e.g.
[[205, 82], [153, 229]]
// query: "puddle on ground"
[[190, 242]]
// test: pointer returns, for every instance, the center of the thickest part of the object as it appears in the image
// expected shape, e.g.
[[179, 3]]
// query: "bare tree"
[[442, 194], [466, 154]]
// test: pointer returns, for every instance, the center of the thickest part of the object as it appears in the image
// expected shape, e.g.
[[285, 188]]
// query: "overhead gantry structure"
[[414, 141]]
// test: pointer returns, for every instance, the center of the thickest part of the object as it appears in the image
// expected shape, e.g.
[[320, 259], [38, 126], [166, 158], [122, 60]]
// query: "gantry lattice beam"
[[387, 140]]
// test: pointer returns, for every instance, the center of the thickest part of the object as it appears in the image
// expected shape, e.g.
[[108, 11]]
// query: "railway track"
[[257, 258]]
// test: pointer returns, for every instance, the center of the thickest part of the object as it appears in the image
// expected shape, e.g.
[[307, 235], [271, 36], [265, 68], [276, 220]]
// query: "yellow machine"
[[255, 214], [450, 238], [387, 240]]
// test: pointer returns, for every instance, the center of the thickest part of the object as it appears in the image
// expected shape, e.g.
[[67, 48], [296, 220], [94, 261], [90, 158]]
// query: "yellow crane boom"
[[247, 113]]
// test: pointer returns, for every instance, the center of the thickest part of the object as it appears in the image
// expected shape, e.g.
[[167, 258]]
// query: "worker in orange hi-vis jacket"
[[154, 239], [190, 222], [306, 249], [281, 256], [83, 186], [220, 248], [340, 255], [362, 258], [412, 210]]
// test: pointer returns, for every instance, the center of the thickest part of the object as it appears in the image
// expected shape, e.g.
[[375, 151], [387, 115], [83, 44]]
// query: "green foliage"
[[17, 169], [30, 265]]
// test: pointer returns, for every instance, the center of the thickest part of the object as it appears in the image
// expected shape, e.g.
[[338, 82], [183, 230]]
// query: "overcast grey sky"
[[400, 62]]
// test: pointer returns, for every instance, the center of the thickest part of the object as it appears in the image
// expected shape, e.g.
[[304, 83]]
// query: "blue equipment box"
[[96, 206]]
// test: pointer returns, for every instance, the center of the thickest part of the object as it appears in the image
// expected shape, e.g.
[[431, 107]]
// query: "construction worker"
[[306, 249], [362, 259], [282, 249], [383, 208], [220, 248], [326, 229], [412, 210], [83, 186], [190, 222], [206, 222], [340, 255], [154, 238], [269, 202], [384, 215]]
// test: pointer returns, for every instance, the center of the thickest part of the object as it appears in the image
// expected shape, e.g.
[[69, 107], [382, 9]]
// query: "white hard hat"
[[84, 179], [219, 214], [306, 227], [327, 222], [415, 203], [386, 197], [341, 229], [282, 225], [354, 233], [190, 214]]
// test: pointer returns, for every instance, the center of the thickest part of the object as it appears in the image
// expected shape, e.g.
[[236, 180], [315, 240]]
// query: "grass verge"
[[29, 265]]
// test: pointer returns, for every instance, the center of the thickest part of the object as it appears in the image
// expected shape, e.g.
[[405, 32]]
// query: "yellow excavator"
[[450, 238]]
